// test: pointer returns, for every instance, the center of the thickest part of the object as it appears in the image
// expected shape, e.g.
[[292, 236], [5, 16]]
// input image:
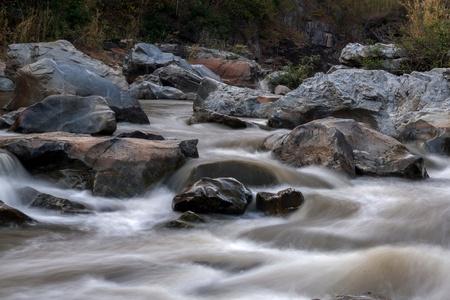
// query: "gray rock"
[[108, 166], [68, 113], [20, 55], [149, 90], [209, 195], [6, 84], [205, 72], [320, 34], [178, 77], [279, 204], [350, 147], [281, 90], [8, 119], [46, 77]]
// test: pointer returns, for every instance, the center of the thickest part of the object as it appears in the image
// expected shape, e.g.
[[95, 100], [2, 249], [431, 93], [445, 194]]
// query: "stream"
[[384, 235]]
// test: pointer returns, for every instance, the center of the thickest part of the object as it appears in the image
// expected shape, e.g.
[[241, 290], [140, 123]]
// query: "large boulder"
[[10, 216], [230, 67], [387, 56], [145, 58], [214, 195], [69, 113], [108, 166], [47, 77], [20, 55], [350, 147], [176, 76]]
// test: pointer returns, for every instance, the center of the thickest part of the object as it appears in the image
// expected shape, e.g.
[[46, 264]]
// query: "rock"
[[363, 296], [141, 135], [10, 216], [281, 90], [149, 90], [209, 195], [187, 220], [146, 58], [268, 98], [8, 119], [20, 55], [46, 201], [348, 146], [178, 77], [90, 115], [320, 34], [382, 100], [389, 55], [207, 116], [46, 77], [205, 72], [6, 84], [279, 204], [108, 166]]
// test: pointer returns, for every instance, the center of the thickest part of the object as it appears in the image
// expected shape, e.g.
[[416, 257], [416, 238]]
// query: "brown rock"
[[279, 204]]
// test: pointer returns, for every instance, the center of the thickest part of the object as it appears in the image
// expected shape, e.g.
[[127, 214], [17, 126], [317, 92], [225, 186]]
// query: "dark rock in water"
[[46, 77], [10, 216], [108, 166], [348, 146], [141, 135], [363, 296], [90, 115], [214, 195], [46, 201], [192, 217], [279, 204], [187, 220], [207, 116]]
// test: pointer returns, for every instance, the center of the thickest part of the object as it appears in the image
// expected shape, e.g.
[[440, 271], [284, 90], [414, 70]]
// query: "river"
[[385, 235]]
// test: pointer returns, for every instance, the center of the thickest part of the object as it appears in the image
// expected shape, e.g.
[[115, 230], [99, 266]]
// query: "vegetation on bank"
[[420, 27]]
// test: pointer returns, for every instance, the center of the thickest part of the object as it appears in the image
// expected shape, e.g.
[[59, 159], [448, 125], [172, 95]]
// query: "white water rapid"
[[389, 236]]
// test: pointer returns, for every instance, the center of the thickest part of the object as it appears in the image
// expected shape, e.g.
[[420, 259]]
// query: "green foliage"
[[292, 76]]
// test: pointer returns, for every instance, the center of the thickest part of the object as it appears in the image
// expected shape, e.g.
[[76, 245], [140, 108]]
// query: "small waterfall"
[[12, 176]]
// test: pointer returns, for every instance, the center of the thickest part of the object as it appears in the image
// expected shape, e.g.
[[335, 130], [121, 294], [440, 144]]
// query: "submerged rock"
[[49, 202], [10, 216], [108, 166], [279, 204], [90, 115], [214, 195], [187, 220]]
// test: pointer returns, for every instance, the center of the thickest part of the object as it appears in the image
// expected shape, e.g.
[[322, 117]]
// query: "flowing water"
[[388, 236]]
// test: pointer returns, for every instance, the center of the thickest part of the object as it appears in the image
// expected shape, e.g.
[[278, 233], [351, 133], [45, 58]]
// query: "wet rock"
[[207, 116], [192, 217], [187, 220], [20, 55], [214, 195], [8, 119], [178, 224], [10, 216], [141, 135], [189, 148], [46, 77], [108, 166], [149, 90], [90, 115], [363, 296], [49, 202], [350, 147], [279, 204]]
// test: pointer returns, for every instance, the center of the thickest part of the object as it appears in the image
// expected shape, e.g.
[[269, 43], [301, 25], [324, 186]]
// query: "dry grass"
[[425, 12]]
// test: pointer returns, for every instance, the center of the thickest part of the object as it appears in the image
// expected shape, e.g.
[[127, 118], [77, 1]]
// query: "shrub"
[[426, 38], [292, 76]]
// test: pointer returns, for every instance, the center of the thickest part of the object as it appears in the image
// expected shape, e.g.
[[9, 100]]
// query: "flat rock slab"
[[108, 166]]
